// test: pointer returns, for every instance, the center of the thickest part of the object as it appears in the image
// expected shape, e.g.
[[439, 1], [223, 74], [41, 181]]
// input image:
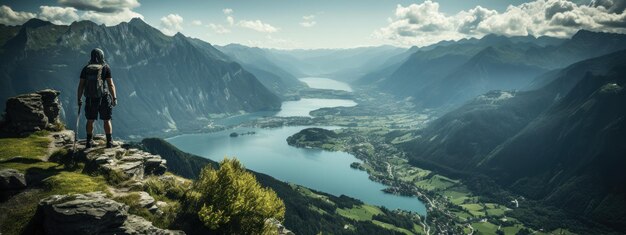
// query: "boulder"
[[145, 200], [135, 164], [51, 105], [90, 213], [11, 179], [138, 225], [32, 112], [24, 113], [282, 230]]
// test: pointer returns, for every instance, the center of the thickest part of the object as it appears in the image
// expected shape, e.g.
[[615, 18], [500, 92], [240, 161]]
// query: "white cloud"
[[230, 20], [308, 21], [58, 15], [308, 24], [111, 18], [10, 17], [196, 22], [613, 6], [66, 15], [419, 24], [218, 28], [257, 25], [103, 6], [423, 24], [171, 24], [469, 20]]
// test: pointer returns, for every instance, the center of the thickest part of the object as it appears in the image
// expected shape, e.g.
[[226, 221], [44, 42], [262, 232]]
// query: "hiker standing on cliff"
[[98, 99]]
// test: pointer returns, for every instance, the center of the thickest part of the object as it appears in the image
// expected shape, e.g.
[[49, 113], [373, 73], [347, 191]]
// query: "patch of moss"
[[33, 146], [72, 182], [24, 167], [18, 211]]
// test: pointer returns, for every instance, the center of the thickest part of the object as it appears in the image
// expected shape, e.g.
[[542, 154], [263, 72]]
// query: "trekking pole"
[[76, 130]]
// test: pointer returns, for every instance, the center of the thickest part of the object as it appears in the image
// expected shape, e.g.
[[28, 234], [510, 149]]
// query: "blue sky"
[[334, 24]]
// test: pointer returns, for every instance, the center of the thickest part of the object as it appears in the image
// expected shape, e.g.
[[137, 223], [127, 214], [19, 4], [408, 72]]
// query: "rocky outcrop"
[[145, 200], [281, 229], [135, 164], [138, 225], [92, 213], [11, 179], [32, 112], [51, 105]]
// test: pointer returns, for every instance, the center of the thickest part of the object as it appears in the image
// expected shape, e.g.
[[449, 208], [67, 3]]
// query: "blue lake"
[[302, 107], [326, 83], [267, 152]]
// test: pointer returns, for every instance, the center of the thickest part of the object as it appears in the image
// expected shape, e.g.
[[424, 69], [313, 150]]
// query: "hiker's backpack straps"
[[94, 87]]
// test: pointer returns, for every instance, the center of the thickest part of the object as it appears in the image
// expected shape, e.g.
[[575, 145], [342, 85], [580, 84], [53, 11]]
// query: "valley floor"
[[371, 132]]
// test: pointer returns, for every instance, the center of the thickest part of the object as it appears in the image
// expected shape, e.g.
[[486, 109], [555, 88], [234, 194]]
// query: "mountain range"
[[163, 83], [262, 64], [339, 64], [561, 144], [448, 74]]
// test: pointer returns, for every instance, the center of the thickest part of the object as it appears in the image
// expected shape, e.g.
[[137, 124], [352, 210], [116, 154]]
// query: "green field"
[[359, 213], [457, 195], [392, 227], [475, 209], [512, 229], [437, 182], [462, 215], [485, 228], [495, 209], [308, 193]]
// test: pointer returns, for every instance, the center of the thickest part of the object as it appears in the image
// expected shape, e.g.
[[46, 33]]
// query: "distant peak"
[[137, 21], [494, 38], [179, 35], [488, 50], [83, 23], [583, 32], [35, 23]]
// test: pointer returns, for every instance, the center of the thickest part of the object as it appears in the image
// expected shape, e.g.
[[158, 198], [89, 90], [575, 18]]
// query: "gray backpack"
[[94, 87]]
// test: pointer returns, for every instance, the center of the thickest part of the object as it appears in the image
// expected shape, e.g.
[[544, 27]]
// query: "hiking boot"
[[109, 144], [88, 144]]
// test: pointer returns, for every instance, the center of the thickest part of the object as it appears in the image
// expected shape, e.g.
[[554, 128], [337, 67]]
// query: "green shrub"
[[231, 201], [166, 188]]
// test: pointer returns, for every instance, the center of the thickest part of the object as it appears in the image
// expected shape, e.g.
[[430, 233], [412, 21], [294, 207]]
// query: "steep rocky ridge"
[[449, 74], [558, 144], [163, 83]]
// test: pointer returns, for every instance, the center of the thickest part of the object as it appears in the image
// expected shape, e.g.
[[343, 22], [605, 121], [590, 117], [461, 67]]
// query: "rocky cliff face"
[[92, 213], [32, 112], [130, 182], [163, 83]]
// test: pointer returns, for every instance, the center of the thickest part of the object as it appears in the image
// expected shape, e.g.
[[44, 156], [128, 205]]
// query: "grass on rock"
[[33, 146]]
